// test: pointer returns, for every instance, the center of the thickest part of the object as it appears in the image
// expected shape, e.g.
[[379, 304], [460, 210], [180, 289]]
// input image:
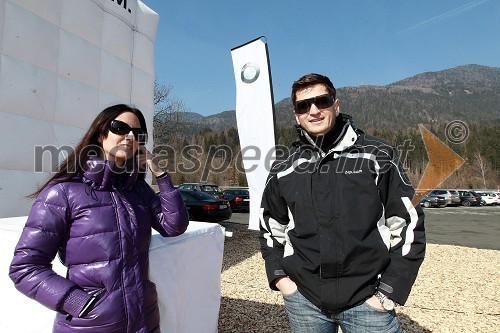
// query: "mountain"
[[192, 117], [470, 93]]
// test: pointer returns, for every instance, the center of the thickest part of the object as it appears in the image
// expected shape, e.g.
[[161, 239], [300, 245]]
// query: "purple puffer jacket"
[[100, 223]]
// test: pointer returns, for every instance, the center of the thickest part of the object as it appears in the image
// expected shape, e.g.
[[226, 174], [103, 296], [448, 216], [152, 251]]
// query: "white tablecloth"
[[186, 270]]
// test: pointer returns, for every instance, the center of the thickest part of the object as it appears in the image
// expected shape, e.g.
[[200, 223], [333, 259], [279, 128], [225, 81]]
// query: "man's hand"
[[286, 285], [375, 303]]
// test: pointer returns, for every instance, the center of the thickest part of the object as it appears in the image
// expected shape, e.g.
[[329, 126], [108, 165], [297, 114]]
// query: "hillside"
[[470, 93]]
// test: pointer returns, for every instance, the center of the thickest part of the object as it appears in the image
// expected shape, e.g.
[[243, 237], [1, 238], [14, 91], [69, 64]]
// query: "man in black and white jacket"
[[339, 234]]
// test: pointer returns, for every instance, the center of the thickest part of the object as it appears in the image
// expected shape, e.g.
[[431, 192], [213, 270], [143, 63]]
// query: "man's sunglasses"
[[321, 102], [121, 128]]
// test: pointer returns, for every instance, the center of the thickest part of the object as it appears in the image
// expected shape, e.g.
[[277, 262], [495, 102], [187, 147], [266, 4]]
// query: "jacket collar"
[[105, 175], [341, 136]]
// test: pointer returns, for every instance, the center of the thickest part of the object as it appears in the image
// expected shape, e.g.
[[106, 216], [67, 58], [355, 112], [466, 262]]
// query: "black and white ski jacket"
[[339, 221]]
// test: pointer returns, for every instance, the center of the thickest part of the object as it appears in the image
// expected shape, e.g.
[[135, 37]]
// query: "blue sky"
[[353, 42]]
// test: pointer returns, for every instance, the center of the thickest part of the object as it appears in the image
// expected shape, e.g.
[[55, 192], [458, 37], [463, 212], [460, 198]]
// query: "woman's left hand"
[[146, 158]]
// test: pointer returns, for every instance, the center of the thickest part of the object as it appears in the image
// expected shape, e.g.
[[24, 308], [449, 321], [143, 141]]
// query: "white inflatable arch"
[[61, 63]]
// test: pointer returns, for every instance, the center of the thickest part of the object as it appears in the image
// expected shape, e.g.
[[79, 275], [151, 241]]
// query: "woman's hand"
[[146, 158]]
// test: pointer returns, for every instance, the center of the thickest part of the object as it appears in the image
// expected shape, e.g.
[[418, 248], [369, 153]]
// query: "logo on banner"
[[250, 72], [124, 2]]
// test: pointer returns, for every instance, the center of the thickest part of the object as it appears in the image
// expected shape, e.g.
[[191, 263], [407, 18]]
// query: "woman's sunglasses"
[[321, 102], [121, 128]]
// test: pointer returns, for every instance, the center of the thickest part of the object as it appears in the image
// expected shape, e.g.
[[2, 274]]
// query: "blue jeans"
[[305, 317]]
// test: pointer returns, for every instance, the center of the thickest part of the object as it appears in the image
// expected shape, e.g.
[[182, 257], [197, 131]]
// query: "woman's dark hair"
[[90, 146], [311, 80]]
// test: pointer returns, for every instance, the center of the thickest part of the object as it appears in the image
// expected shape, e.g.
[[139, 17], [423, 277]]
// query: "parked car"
[[468, 198], [239, 199], [478, 197], [452, 197], [487, 199], [211, 189], [432, 200], [204, 207], [497, 194]]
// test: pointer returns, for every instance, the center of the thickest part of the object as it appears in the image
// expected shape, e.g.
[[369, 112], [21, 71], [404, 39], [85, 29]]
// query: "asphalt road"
[[477, 227]]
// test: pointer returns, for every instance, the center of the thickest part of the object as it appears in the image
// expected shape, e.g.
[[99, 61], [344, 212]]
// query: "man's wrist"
[[387, 303], [278, 279]]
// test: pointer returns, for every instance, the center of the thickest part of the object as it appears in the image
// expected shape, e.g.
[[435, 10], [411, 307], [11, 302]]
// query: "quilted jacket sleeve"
[[31, 269], [170, 213]]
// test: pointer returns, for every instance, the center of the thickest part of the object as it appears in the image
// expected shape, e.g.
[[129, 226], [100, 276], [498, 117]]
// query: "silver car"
[[452, 197]]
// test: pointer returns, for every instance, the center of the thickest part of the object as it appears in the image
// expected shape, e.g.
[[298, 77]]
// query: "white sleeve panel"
[[410, 231]]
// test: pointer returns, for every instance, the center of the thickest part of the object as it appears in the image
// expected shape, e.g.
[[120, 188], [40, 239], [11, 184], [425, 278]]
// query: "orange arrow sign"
[[442, 163]]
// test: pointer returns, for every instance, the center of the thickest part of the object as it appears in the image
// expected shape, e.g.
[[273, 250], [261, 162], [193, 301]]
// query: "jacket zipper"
[[115, 206]]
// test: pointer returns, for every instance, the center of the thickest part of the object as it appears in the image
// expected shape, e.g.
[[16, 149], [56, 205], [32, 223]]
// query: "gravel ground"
[[457, 290]]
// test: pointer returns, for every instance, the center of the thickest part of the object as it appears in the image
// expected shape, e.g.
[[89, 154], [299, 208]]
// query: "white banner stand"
[[255, 117]]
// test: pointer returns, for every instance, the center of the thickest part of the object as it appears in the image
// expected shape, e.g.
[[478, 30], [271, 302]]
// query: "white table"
[[186, 270]]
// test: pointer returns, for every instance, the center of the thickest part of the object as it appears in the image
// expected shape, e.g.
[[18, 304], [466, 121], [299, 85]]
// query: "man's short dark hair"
[[311, 80]]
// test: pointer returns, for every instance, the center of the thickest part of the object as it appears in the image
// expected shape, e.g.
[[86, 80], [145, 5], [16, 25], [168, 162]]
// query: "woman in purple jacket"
[[97, 213]]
